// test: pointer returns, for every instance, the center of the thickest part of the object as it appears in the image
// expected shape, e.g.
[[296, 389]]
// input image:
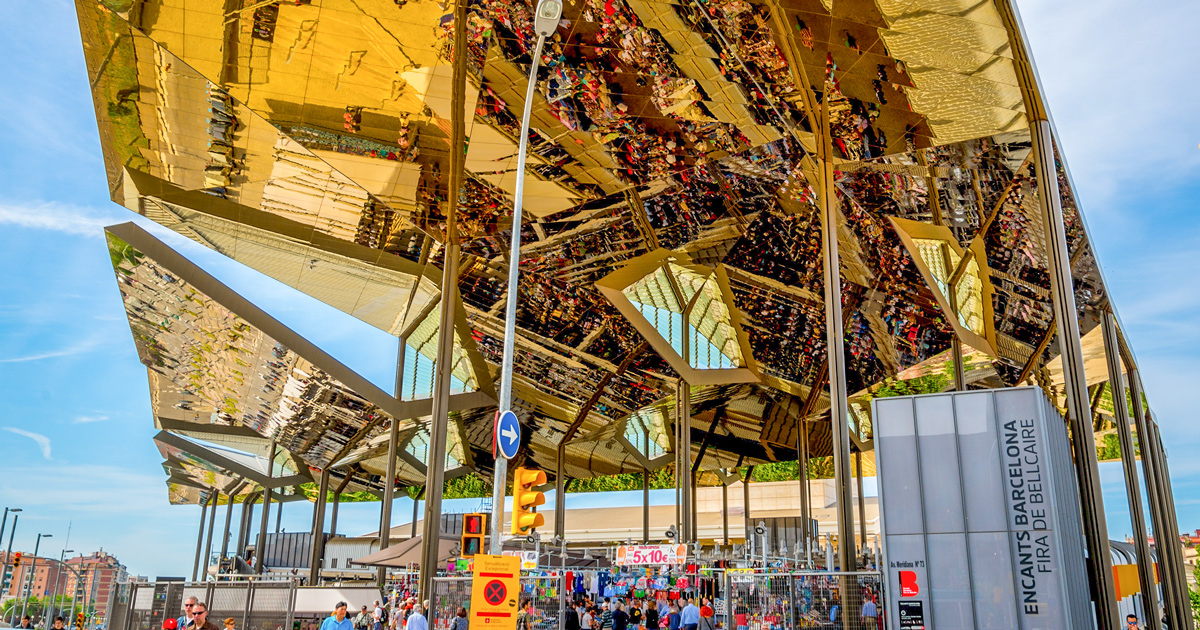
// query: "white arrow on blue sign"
[[508, 434]]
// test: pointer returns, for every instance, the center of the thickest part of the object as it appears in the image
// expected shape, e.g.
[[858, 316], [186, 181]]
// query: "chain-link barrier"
[[252, 605], [544, 594]]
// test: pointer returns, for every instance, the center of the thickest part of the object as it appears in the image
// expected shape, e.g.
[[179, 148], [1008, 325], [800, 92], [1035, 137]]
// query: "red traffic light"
[[472, 523]]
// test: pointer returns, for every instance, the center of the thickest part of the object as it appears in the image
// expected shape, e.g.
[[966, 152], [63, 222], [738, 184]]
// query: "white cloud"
[[42, 441], [58, 217], [78, 348], [89, 419]]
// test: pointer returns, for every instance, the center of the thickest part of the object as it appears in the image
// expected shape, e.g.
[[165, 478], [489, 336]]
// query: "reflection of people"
[[1131, 622], [230, 622]]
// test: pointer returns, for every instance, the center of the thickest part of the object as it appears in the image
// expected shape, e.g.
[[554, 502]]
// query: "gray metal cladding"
[[980, 512]]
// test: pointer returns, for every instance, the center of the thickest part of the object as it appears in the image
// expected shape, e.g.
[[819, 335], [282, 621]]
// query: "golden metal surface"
[[669, 173]]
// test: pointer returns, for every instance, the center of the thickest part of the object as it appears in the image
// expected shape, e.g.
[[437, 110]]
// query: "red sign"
[[494, 592], [908, 584]]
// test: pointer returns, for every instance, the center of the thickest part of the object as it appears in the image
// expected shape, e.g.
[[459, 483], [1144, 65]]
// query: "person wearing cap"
[[170, 624], [338, 620]]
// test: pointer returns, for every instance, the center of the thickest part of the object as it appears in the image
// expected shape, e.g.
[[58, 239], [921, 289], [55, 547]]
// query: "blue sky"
[[74, 410]]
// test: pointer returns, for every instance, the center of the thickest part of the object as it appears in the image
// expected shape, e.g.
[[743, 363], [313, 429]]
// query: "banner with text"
[[651, 554]]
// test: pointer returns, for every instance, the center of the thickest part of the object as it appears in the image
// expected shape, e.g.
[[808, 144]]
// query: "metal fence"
[[266, 605], [546, 594], [788, 601]]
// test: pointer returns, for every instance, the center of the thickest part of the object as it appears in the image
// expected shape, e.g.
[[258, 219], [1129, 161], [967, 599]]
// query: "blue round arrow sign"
[[508, 434]]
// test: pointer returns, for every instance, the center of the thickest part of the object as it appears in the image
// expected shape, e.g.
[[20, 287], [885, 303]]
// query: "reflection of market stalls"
[[312, 143]]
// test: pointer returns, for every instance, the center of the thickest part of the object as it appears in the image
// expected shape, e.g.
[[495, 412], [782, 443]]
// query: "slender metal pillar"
[[318, 530], [500, 475], [805, 501], [1066, 318], [1078, 406], [646, 506], [226, 533], [839, 409], [439, 421], [560, 490], [389, 487], [278, 515], [862, 502], [1145, 564], [1164, 471], [246, 521], [337, 502], [260, 549], [695, 510], [200, 537], [1175, 596], [416, 505], [746, 506], [683, 405], [212, 521], [724, 513]]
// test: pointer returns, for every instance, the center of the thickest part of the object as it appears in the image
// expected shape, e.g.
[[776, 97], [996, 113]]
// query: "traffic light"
[[16, 561], [474, 526], [526, 500], [79, 621]]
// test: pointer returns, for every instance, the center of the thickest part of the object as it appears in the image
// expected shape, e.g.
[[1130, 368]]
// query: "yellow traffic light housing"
[[79, 621], [16, 561], [526, 499], [473, 530]]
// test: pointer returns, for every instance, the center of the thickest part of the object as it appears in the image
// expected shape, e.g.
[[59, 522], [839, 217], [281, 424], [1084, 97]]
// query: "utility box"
[[980, 513]]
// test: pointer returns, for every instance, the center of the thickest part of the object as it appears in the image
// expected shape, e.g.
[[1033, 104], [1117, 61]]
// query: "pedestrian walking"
[[689, 617], [185, 619], [230, 623], [416, 621], [460, 620], [362, 621], [338, 620], [200, 617]]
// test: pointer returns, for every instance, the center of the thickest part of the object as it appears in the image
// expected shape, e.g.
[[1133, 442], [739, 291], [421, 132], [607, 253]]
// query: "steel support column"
[[244, 521], [1078, 410], [1170, 557], [337, 502], [805, 500], [439, 421], [1066, 317], [862, 502], [416, 505], [683, 406], [212, 522], [560, 490], [261, 548], [318, 529], [839, 409], [1175, 597], [645, 506], [724, 513], [227, 534], [1145, 564], [200, 538], [746, 506], [389, 486]]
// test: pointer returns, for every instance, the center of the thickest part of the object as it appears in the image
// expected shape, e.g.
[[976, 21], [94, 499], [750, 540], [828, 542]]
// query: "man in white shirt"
[[416, 621], [377, 616]]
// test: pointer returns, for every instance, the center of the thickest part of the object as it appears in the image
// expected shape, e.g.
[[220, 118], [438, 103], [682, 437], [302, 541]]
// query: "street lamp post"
[[12, 534], [57, 576], [545, 21], [32, 571]]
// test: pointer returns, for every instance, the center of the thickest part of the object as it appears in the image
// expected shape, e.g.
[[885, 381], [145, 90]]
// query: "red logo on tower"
[[908, 584]]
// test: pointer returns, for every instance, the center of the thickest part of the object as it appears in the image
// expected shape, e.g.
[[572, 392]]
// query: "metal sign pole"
[[546, 21]]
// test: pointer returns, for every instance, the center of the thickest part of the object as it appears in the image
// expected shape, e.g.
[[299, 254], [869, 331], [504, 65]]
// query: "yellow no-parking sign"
[[495, 591]]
